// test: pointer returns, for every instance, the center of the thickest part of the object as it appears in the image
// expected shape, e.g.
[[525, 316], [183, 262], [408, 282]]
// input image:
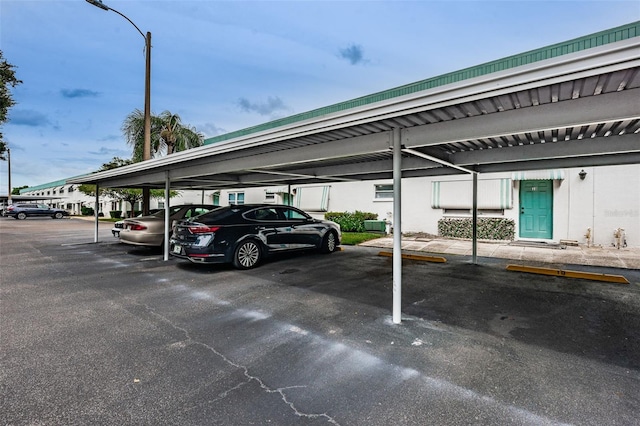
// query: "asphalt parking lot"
[[109, 334]]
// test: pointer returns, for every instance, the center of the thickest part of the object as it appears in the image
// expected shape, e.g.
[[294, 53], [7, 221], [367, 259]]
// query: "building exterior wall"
[[606, 199]]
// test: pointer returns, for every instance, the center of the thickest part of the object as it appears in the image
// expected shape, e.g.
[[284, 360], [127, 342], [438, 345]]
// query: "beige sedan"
[[149, 230]]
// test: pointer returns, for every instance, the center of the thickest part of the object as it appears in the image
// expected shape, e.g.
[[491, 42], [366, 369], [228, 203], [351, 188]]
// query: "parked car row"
[[239, 234]]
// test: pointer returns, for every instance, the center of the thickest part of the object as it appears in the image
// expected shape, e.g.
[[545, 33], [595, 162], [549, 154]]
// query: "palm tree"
[[177, 137], [133, 130], [168, 134]]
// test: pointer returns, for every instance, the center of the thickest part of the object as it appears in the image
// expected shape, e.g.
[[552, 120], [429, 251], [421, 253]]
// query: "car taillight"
[[202, 229], [137, 227]]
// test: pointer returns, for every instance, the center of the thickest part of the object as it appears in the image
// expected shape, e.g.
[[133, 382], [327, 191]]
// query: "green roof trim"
[[61, 182], [601, 38]]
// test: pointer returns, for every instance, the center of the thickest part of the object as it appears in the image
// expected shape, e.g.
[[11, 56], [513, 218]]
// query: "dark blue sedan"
[[245, 234]]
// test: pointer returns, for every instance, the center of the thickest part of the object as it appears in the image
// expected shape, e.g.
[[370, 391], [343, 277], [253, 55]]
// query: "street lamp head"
[[98, 3]]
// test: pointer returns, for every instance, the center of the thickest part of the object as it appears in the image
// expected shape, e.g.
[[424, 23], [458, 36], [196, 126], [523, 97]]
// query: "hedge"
[[350, 222], [488, 228], [86, 211]]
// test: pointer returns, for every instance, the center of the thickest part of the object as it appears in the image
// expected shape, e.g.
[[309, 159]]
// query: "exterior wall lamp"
[[582, 174]]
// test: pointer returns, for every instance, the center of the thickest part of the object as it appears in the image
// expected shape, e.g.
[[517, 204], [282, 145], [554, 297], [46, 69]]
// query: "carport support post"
[[474, 219], [167, 218], [95, 213], [397, 228]]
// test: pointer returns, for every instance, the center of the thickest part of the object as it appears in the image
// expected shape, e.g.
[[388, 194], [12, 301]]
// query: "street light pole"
[[9, 202], [146, 151]]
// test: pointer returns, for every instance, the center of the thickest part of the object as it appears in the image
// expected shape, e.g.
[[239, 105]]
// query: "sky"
[[227, 65]]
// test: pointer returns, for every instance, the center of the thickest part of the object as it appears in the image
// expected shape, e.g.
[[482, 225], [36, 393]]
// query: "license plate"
[[177, 249]]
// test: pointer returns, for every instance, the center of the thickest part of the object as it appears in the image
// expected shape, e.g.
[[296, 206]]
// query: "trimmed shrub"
[[488, 228], [350, 222], [115, 214], [86, 211]]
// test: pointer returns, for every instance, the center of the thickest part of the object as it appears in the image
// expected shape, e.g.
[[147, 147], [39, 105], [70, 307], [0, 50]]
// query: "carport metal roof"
[[571, 104]]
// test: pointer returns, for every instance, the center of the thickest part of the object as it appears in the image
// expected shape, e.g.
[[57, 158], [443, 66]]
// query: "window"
[[236, 198], [262, 214], [312, 198], [292, 214], [161, 204], [493, 194], [197, 211], [384, 192], [269, 197]]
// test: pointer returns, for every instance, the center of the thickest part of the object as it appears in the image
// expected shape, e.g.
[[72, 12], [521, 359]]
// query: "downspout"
[[397, 226]]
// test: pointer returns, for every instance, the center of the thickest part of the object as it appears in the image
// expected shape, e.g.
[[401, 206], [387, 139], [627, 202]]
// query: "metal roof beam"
[[557, 163], [297, 175], [610, 107], [576, 148], [437, 160], [378, 142]]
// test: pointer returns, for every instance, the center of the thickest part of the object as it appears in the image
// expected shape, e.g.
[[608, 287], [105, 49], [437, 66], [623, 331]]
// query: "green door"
[[536, 209]]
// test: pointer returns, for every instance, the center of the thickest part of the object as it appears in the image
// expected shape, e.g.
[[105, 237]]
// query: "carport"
[[571, 104]]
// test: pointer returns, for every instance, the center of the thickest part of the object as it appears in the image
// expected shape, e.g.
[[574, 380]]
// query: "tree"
[[177, 137], [16, 191], [133, 130], [7, 78], [115, 163], [168, 134]]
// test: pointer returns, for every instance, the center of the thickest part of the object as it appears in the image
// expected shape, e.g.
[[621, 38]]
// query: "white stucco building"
[[547, 205]]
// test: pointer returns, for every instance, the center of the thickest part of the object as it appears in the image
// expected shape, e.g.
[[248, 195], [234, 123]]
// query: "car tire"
[[247, 255], [58, 215], [329, 242], [21, 216]]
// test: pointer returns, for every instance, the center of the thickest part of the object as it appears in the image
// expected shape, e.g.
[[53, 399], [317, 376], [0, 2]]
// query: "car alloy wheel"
[[21, 216], [247, 255], [329, 243]]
